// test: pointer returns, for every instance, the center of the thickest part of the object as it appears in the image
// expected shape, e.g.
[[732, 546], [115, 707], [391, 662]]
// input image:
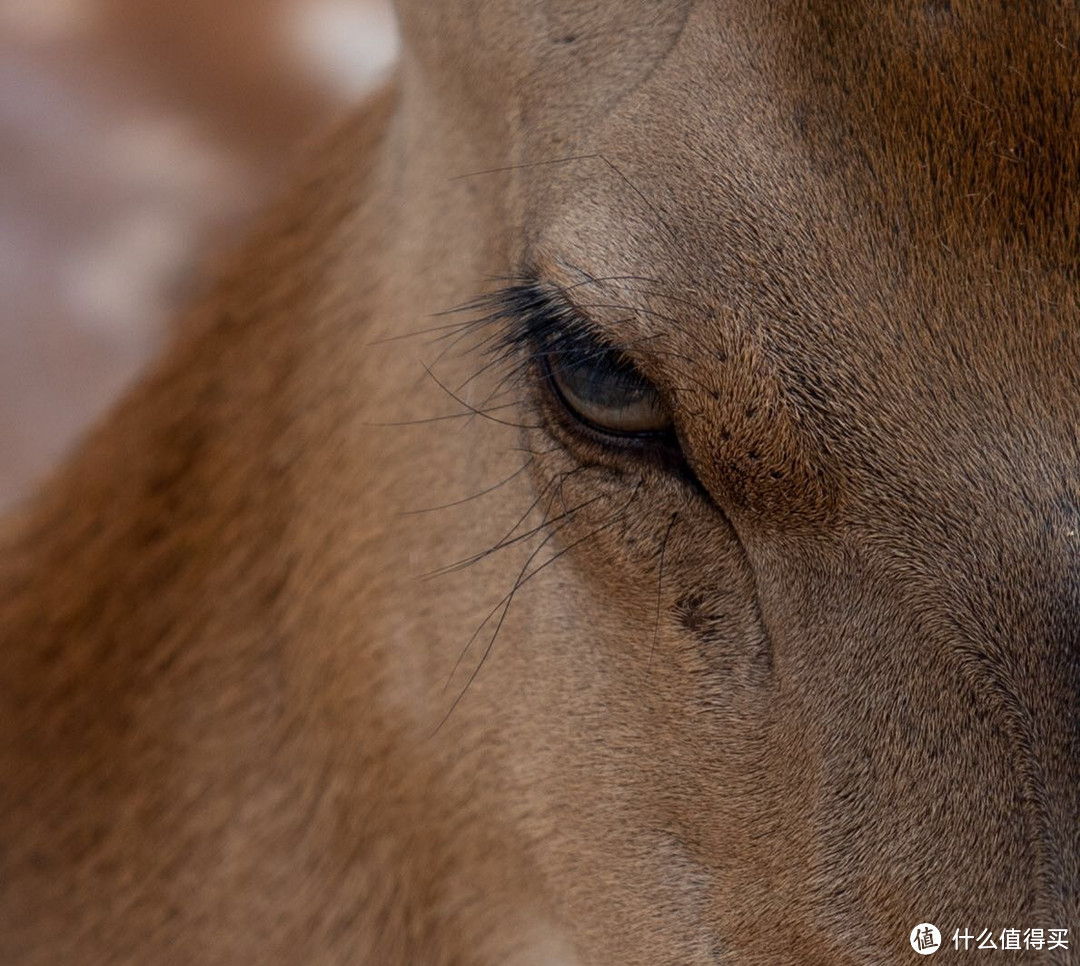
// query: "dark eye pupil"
[[601, 378], [599, 386]]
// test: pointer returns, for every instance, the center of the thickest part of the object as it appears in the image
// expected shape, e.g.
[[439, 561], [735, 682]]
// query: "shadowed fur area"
[[971, 104], [366, 631]]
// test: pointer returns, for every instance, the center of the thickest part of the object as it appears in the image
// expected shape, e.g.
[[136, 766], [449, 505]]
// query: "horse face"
[[787, 340]]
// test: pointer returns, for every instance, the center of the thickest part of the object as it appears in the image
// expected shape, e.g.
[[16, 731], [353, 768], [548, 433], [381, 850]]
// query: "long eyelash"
[[525, 321], [539, 316], [514, 329], [499, 612], [520, 326]]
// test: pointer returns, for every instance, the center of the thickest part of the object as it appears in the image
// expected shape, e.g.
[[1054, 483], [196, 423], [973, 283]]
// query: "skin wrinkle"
[[612, 106], [847, 706]]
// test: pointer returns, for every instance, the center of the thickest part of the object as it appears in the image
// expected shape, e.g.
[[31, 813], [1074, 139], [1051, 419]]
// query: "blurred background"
[[136, 138]]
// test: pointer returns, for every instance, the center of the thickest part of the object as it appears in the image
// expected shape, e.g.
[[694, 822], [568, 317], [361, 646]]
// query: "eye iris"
[[602, 389]]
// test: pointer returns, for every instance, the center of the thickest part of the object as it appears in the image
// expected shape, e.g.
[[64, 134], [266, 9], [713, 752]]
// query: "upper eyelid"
[[520, 316], [534, 312]]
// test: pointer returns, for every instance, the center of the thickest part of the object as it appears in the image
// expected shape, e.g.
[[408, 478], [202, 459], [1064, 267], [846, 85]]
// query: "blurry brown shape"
[[228, 63], [135, 136]]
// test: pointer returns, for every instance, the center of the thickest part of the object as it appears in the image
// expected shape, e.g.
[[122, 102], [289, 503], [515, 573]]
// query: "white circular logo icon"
[[925, 939]]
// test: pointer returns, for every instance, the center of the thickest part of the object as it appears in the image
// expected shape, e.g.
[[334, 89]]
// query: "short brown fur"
[[779, 714]]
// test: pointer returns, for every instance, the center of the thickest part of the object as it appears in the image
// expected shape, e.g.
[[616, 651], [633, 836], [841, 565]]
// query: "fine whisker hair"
[[475, 496], [524, 578]]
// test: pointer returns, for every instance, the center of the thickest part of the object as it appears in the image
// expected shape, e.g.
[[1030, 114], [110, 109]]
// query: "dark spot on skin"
[[698, 614], [753, 456], [725, 436], [751, 411], [776, 475], [567, 39], [690, 611], [721, 356], [811, 386]]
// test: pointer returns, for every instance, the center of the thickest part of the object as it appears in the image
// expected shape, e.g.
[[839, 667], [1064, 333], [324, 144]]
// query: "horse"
[[622, 505]]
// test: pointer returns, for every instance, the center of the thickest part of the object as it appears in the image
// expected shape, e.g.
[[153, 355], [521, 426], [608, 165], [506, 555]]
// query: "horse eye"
[[603, 390]]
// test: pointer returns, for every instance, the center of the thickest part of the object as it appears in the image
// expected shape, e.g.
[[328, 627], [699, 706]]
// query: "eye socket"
[[603, 390]]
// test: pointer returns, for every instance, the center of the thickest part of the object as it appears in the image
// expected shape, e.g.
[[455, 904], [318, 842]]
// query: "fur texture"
[[827, 691]]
